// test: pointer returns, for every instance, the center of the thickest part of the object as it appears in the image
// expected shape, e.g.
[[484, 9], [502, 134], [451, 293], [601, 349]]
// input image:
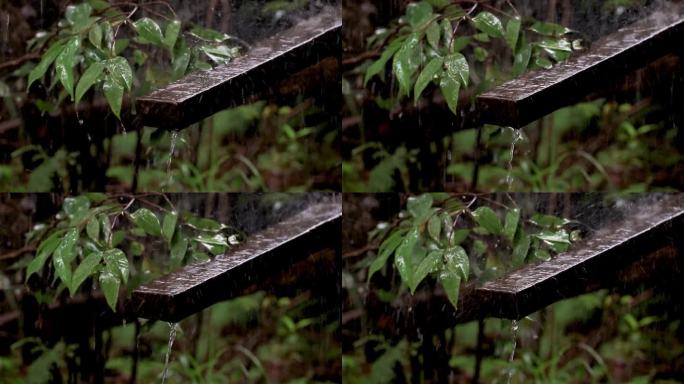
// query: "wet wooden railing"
[[295, 61], [300, 251], [531, 96]]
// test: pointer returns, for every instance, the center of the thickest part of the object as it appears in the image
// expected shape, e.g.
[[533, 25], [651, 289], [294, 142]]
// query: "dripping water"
[[172, 338], [517, 137], [511, 358]]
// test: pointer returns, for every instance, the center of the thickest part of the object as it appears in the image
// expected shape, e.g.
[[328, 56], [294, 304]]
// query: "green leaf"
[[460, 43], [106, 227], [435, 227], [85, 269], [65, 63], [76, 207], [419, 206], [171, 35], [117, 263], [556, 45], [427, 75], [522, 60], [549, 29], [428, 265], [217, 239], [459, 236], [451, 281], [48, 58], [511, 223], [90, 77], [78, 14], [433, 34], [169, 226], [378, 67], [488, 219], [148, 221], [418, 13], [385, 251], [95, 36], [93, 229], [110, 283], [406, 63], [119, 68], [114, 93], [403, 257], [489, 24], [149, 30], [450, 89], [512, 32], [178, 249], [64, 254], [203, 224], [457, 68], [456, 260], [480, 54], [543, 62], [520, 248], [553, 237], [45, 249]]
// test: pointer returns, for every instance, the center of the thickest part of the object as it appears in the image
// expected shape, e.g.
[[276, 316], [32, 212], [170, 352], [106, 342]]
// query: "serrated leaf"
[[385, 251], [93, 229], [435, 227], [149, 30], [433, 34], [457, 68], [456, 260], [451, 281], [403, 257], [114, 93], [110, 283], [95, 36], [426, 76], [45, 249], [488, 219], [119, 69], [450, 89], [419, 206], [169, 225], [85, 269], [89, 78], [65, 63], [512, 32], [117, 263], [489, 24], [48, 58], [148, 221], [171, 35], [511, 223], [178, 249], [426, 266]]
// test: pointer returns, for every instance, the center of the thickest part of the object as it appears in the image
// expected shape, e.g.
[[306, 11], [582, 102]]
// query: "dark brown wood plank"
[[273, 251], [253, 75], [533, 95]]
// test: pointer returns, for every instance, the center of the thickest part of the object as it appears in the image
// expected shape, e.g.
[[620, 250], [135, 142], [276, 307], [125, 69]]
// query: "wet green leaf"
[[114, 93], [403, 257], [149, 30], [433, 34], [512, 32], [110, 283], [450, 89], [522, 60], [543, 62], [93, 229], [64, 254], [386, 249], [148, 221], [217, 239], [419, 206], [84, 270], [406, 62], [119, 69], [45, 249], [171, 35], [456, 260], [488, 219], [511, 223], [459, 236], [427, 265], [461, 42], [489, 24], [451, 281], [117, 263], [95, 36], [203, 224], [178, 249], [426, 76], [378, 66], [48, 58], [435, 227], [549, 29], [89, 78], [78, 14], [169, 225], [520, 248], [106, 227], [65, 63], [457, 68], [418, 13], [553, 237], [75, 206]]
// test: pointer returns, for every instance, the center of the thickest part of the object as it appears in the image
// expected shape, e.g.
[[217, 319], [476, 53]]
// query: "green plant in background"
[[432, 44], [97, 45], [89, 238], [444, 237]]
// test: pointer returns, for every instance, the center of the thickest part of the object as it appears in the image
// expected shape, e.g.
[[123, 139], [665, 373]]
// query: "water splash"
[[172, 338], [517, 137], [511, 358], [174, 139]]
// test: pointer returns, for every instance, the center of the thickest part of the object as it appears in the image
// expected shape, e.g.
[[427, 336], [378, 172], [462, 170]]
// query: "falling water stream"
[[511, 358], [172, 338], [517, 137]]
